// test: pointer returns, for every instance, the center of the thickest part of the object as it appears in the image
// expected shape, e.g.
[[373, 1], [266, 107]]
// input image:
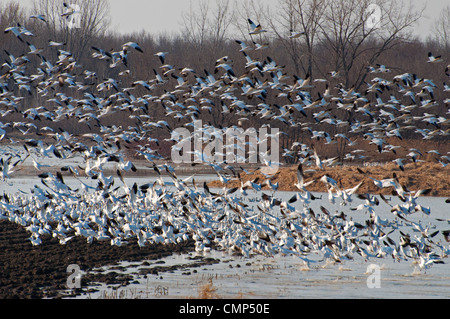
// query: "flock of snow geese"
[[174, 212]]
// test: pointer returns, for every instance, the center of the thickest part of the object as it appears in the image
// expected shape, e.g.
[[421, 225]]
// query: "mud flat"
[[41, 271]]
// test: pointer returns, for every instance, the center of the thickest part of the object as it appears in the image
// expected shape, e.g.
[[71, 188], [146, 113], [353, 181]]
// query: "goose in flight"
[[102, 54], [161, 56], [182, 83], [40, 17], [434, 59], [244, 46], [399, 162], [317, 159], [6, 168], [39, 166], [133, 45], [56, 44], [295, 34], [381, 68], [33, 49], [18, 32], [301, 179], [255, 29], [259, 46], [69, 10], [335, 74]]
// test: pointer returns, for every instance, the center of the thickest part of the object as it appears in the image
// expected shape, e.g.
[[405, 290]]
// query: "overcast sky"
[[165, 15], [157, 16]]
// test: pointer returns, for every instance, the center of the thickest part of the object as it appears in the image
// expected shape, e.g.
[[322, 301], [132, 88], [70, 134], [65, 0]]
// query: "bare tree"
[[441, 28], [11, 13], [205, 30], [94, 22], [207, 25], [355, 43], [195, 24], [296, 28], [221, 22], [249, 9]]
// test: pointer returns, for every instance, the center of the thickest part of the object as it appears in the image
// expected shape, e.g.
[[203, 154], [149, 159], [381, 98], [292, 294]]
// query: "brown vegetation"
[[207, 291], [417, 176]]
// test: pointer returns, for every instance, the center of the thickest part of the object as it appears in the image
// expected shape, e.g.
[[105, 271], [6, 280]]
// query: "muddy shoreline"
[[36, 272]]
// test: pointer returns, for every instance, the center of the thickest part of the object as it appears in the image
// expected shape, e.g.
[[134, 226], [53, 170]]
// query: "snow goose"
[[161, 56], [255, 29], [434, 59], [69, 10], [40, 17], [133, 45], [295, 34]]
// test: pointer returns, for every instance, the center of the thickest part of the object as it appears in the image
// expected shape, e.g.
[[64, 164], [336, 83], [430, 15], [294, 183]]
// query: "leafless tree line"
[[335, 37]]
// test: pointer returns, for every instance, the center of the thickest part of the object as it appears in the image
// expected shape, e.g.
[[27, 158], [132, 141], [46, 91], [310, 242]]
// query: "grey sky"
[[156, 16], [160, 16]]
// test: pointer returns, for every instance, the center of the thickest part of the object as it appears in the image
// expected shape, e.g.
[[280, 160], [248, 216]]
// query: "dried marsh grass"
[[208, 291], [416, 176]]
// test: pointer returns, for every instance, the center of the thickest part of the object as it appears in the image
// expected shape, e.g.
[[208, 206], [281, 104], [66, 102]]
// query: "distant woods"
[[336, 36], [319, 39]]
